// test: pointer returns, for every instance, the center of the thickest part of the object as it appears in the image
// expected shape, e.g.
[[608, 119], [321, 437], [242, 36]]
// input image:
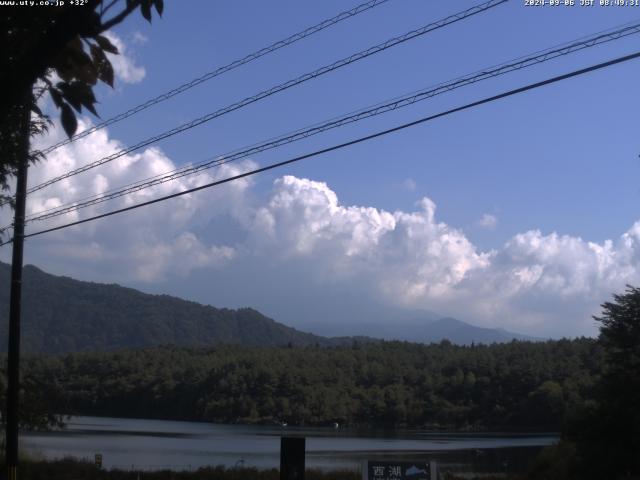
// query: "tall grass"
[[72, 469]]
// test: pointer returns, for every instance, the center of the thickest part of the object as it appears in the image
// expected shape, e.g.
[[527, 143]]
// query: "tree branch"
[[118, 18], [106, 9]]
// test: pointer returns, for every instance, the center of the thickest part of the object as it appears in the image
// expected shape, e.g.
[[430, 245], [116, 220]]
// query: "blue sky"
[[536, 161], [529, 188]]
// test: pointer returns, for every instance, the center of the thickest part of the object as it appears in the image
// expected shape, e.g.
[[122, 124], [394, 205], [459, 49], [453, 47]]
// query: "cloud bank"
[[537, 283], [146, 245]]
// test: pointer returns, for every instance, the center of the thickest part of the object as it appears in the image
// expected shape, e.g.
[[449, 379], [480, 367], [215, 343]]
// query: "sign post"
[[292, 451], [418, 470]]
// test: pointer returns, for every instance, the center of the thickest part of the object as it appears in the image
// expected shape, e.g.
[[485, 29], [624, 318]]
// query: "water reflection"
[[155, 444]]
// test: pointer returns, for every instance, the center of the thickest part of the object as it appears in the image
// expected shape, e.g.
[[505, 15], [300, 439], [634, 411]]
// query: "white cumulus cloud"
[[537, 283], [546, 284], [146, 245], [124, 64], [408, 255]]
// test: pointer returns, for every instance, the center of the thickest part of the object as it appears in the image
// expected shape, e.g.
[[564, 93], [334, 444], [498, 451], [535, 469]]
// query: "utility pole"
[[13, 363]]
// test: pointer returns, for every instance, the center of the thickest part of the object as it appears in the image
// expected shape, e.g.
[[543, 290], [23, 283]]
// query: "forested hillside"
[[62, 315], [514, 385]]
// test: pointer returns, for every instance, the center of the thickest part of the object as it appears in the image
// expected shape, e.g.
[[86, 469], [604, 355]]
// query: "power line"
[[399, 102], [224, 69], [281, 87], [381, 133]]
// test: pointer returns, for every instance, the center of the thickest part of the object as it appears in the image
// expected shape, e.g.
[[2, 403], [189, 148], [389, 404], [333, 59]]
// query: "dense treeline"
[[514, 385]]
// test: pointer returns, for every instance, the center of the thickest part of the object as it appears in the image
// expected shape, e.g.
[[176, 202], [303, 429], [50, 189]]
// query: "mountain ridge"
[[61, 315]]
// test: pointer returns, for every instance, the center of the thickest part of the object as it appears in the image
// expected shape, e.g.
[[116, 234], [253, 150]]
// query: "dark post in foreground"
[[13, 363], [292, 458]]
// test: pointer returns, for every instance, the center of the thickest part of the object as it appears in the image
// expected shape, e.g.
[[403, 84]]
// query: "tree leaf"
[[64, 73], [89, 24], [159, 6], [103, 65], [91, 108], [63, 66], [88, 74], [106, 45], [75, 51], [75, 43], [71, 94], [88, 100], [68, 119], [98, 56], [106, 73], [35, 109], [56, 97], [78, 94], [79, 57], [145, 9]]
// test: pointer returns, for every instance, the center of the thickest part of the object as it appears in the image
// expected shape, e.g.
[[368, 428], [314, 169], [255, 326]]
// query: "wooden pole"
[[13, 364], [292, 451]]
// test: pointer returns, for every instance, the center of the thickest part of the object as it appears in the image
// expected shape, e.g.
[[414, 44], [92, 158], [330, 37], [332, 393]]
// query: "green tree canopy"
[[40, 41], [606, 428], [613, 441]]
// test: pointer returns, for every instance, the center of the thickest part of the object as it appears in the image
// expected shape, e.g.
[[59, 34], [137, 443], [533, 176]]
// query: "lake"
[[158, 444]]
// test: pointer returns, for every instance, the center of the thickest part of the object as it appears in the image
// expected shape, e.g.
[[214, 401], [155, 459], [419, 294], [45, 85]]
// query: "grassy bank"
[[71, 469]]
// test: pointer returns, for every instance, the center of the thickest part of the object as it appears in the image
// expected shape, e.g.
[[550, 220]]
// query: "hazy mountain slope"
[[425, 327], [460, 332]]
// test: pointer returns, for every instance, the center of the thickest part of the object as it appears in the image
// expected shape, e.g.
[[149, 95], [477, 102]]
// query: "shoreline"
[[352, 427]]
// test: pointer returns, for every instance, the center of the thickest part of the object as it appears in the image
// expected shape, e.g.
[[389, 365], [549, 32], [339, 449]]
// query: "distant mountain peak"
[[61, 314]]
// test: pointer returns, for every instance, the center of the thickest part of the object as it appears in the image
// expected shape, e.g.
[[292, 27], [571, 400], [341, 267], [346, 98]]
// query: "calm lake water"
[[157, 444]]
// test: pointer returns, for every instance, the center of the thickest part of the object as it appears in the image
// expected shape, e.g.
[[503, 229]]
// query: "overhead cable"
[[281, 87], [221, 70], [390, 105], [340, 146]]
